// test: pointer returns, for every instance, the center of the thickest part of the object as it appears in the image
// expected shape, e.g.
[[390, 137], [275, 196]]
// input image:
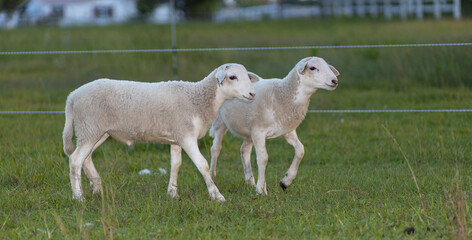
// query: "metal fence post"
[[174, 40]]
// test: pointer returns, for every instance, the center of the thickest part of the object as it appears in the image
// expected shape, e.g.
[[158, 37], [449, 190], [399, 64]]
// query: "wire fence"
[[167, 50], [309, 111], [258, 49], [392, 111]]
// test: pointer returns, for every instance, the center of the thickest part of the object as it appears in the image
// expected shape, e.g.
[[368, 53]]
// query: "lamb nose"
[[334, 81], [252, 94]]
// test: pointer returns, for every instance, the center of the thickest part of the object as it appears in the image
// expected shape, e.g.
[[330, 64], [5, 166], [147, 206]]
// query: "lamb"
[[278, 109], [175, 112]]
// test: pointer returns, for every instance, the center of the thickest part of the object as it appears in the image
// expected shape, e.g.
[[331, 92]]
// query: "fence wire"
[[391, 111], [256, 49], [309, 111], [166, 50]]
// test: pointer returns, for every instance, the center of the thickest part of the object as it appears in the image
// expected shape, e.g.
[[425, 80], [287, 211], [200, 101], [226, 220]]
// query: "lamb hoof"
[[216, 195], [261, 191], [218, 198], [97, 189], [78, 198], [221, 199], [251, 182], [173, 193], [283, 186]]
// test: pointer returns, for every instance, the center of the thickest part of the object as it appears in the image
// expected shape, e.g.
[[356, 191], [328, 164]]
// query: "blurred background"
[[85, 25], [15, 13], [353, 180]]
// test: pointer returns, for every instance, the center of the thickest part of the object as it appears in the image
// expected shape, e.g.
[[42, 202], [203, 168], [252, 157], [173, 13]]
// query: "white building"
[[77, 12]]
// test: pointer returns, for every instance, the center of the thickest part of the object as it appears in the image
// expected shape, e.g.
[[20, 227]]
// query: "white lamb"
[[278, 109], [175, 112]]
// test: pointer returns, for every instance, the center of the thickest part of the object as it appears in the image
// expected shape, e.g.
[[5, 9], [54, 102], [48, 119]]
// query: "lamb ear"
[[221, 74], [253, 77], [336, 73], [301, 66]]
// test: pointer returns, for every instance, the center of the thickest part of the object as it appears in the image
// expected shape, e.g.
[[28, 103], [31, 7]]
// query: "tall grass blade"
[[409, 166]]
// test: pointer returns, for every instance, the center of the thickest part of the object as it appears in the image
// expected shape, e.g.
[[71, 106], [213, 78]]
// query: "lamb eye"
[[312, 68], [232, 77]]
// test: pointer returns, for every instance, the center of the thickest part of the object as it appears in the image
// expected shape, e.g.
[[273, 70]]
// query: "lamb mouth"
[[248, 98], [332, 86]]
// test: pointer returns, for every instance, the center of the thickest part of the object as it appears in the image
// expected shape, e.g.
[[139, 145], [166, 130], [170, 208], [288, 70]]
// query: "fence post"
[[419, 9], [457, 9], [174, 40], [437, 9]]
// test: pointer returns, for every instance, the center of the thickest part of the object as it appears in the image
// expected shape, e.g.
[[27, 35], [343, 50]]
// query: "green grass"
[[352, 183]]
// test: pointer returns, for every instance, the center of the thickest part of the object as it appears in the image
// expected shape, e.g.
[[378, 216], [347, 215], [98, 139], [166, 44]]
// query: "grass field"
[[353, 183]]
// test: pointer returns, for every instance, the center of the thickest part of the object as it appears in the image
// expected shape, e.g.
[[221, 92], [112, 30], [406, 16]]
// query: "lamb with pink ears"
[[278, 109]]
